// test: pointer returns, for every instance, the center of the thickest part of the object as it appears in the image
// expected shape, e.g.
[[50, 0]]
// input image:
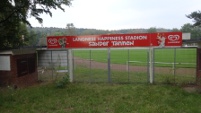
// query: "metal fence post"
[[90, 64], [128, 65], [70, 64], [52, 66], [148, 66], [109, 67], [174, 65]]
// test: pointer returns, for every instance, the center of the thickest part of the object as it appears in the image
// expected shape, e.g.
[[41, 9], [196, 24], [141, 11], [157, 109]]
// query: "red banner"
[[164, 39]]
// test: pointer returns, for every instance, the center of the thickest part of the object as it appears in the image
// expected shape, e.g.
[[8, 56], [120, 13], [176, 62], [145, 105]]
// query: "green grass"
[[100, 98], [98, 75], [83, 74], [183, 57]]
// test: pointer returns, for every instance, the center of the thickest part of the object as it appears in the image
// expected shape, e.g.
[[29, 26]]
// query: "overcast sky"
[[122, 14]]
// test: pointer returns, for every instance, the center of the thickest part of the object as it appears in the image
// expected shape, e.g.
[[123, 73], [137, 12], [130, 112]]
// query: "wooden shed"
[[18, 67]]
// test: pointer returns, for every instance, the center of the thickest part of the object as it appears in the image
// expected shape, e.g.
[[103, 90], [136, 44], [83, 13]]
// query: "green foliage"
[[196, 27], [196, 16], [175, 30], [32, 39], [14, 18], [72, 30], [152, 30], [11, 36], [20, 9], [61, 83], [12, 14], [189, 28]]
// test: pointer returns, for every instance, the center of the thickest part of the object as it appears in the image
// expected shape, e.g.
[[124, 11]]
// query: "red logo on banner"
[[52, 41], [173, 37]]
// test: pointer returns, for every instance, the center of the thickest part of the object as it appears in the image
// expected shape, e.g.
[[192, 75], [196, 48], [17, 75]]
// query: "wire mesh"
[[52, 65], [175, 65], [90, 65], [125, 65]]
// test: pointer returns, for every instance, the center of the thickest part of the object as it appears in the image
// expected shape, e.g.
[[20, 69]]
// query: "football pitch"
[[171, 65], [163, 57], [175, 65]]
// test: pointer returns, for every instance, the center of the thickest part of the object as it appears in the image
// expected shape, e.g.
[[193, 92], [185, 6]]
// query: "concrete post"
[[151, 66], [70, 65]]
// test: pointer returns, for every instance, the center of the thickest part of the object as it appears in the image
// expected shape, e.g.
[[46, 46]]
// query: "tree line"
[[42, 32]]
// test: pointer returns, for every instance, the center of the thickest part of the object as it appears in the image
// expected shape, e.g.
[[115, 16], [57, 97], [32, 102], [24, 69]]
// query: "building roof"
[[18, 51]]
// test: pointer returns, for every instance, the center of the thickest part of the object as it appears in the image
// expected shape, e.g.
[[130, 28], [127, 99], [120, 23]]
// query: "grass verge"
[[99, 98]]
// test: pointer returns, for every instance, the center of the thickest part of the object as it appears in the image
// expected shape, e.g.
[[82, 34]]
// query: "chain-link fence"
[[171, 65], [52, 64], [125, 65], [175, 65]]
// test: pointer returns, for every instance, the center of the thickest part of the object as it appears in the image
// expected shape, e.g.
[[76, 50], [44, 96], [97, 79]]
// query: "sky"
[[122, 14]]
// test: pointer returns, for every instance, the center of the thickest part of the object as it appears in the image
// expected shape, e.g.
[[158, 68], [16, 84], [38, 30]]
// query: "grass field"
[[185, 57], [83, 74], [99, 98], [135, 96]]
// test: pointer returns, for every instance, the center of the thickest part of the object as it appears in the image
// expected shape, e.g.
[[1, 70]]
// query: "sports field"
[[131, 65], [171, 65], [182, 57]]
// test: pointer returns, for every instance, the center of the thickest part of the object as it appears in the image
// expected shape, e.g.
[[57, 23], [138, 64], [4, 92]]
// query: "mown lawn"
[[99, 98]]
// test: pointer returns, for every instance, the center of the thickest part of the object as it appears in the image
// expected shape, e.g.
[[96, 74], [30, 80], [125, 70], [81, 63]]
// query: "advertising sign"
[[162, 39]]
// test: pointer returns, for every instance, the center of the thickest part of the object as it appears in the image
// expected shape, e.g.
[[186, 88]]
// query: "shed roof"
[[18, 51]]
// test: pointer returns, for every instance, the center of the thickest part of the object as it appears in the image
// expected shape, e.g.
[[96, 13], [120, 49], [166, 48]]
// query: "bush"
[[63, 82]]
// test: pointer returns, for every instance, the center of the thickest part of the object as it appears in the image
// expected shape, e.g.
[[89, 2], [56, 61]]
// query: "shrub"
[[63, 82]]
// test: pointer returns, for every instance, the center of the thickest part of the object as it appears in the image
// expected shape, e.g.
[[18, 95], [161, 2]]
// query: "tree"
[[196, 16], [71, 29], [175, 30], [194, 30], [151, 30], [21, 9], [32, 38], [11, 35], [15, 13]]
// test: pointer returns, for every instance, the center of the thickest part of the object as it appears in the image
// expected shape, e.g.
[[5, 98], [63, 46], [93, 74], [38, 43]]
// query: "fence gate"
[[123, 65]]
